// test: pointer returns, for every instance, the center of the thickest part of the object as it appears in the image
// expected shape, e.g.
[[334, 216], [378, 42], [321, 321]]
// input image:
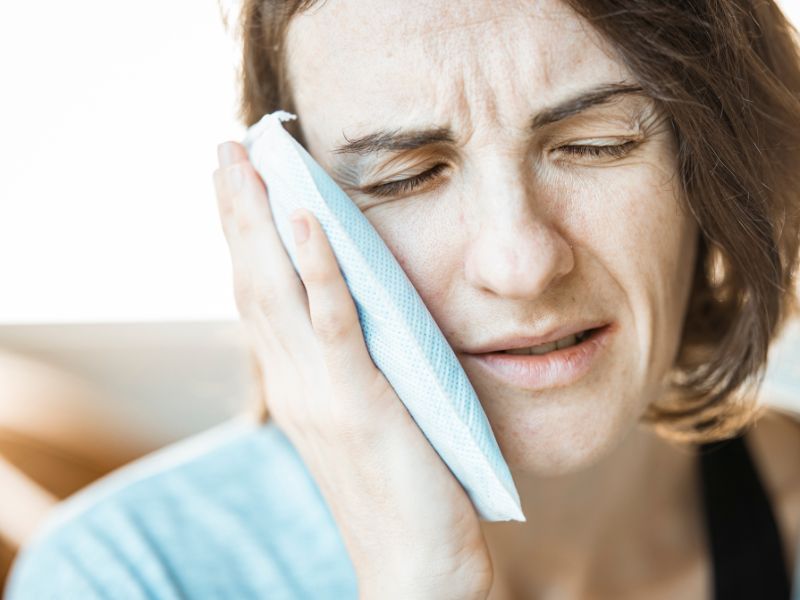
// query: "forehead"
[[354, 65]]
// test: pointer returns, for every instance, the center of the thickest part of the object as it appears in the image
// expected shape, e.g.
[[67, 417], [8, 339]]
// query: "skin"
[[518, 234], [524, 235]]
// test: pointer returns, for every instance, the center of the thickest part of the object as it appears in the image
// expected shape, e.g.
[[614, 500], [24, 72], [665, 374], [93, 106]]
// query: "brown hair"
[[726, 73]]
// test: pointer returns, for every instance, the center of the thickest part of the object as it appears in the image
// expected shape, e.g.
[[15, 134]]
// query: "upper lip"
[[512, 341]]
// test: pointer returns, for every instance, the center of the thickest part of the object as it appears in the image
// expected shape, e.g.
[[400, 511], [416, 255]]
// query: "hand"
[[408, 526]]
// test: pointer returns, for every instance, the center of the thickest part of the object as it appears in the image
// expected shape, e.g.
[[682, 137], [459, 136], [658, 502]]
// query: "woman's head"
[[574, 161]]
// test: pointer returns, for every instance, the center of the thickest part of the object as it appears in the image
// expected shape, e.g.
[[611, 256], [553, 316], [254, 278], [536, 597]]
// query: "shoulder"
[[231, 511], [774, 441]]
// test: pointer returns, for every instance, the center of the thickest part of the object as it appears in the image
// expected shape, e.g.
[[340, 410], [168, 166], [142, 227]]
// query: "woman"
[[623, 172]]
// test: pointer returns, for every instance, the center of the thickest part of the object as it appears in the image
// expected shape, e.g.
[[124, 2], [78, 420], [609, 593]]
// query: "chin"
[[563, 436]]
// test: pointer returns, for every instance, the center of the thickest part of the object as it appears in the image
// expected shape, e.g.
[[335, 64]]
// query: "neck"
[[579, 520]]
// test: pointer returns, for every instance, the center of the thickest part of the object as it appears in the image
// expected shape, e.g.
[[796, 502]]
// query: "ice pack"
[[403, 339]]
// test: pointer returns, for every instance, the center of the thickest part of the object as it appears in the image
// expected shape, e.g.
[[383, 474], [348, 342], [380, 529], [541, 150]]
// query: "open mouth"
[[554, 364], [568, 341]]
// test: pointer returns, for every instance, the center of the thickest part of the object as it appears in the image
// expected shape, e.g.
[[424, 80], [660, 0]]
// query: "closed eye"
[[598, 150], [404, 186]]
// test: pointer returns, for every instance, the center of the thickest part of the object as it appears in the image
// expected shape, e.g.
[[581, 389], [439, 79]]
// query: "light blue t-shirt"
[[230, 513]]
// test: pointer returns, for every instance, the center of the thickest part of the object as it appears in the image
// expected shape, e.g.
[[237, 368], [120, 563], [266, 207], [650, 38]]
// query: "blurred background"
[[118, 327]]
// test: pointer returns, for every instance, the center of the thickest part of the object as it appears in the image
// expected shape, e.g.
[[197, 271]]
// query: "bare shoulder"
[[774, 441]]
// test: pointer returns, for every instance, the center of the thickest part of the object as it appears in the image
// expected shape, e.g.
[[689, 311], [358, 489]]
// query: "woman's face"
[[549, 197]]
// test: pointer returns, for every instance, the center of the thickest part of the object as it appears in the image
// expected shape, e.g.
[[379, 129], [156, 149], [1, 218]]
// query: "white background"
[[111, 114], [109, 119]]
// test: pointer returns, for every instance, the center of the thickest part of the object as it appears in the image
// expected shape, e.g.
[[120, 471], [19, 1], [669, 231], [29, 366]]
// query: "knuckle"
[[331, 327], [244, 224], [242, 292], [355, 414], [242, 288], [319, 273], [225, 202], [267, 299], [225, 206], [251, 295]]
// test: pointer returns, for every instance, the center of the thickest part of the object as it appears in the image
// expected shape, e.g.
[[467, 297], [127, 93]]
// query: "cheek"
[[640, 228], [426, 239], [633, 227], [626, 224], [649, 239]]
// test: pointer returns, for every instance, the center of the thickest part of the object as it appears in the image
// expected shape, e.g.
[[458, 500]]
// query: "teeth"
[[566, 342]]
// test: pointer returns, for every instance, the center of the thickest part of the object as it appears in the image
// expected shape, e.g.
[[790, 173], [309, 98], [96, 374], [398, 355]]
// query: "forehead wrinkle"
[[481, 23], [448, 102], [455, 83], [467, 56], [473, 15], [465, 94]]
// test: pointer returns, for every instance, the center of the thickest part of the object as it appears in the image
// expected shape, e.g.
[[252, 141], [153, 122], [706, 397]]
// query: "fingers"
[[230, 152], [265, 281], [229, 182], [333, 313], [305, 325]]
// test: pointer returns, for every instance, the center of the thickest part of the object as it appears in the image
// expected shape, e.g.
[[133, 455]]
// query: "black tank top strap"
[[742, 532]]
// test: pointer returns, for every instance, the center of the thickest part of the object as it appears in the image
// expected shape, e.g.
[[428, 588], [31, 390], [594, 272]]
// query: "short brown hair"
[[726, 73]]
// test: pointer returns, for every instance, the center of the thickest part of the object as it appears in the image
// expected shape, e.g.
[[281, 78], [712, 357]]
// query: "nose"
[[517, 252]]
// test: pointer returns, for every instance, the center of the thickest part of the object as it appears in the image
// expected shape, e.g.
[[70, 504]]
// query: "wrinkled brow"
[[397, 140]]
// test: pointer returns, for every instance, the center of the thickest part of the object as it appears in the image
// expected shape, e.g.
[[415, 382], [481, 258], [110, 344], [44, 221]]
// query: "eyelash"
[[596, 151], [403, 186]]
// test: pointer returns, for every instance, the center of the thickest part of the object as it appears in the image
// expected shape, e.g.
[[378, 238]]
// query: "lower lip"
[[554, 369]]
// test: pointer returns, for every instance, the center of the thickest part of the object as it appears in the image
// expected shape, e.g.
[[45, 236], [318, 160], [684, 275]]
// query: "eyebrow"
[[398, 140]]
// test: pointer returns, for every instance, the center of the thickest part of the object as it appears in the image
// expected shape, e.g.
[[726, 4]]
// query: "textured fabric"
[[403, 340], [231, 514], [234, 514], [743, 537]]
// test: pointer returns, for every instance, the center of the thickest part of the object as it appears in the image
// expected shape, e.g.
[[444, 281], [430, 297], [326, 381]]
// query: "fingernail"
[[299, 228], [225, 154]]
